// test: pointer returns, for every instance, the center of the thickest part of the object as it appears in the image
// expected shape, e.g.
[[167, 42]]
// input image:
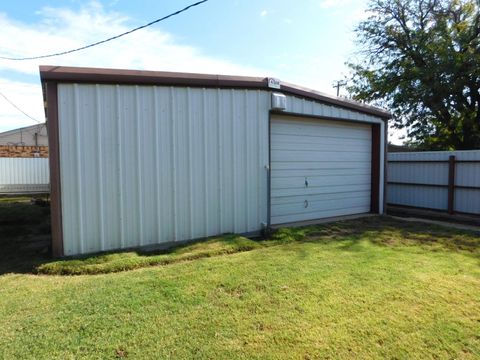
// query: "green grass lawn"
[[362, 289]]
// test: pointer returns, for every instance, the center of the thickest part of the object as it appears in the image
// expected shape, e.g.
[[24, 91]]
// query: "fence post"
[[451, 184]]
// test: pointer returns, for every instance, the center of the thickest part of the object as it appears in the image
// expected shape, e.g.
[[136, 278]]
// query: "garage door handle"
[[306, 204], [306, 182]]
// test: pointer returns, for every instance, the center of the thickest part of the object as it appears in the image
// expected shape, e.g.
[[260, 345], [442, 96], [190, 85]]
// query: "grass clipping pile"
[[121, 261]]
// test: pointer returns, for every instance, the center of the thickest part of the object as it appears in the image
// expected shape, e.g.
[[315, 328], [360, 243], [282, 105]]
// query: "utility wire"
[[16, 107], [106, 40]]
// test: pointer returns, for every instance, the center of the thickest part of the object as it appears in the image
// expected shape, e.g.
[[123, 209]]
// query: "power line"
[[106, 40], [16, 107]]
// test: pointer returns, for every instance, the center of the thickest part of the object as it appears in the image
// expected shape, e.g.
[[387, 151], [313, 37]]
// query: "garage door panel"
[[309, 156], [310, 128], [326, 140], [321, 197], [309, 206], [336, 189], [318, 147], [359, 170], [318, 181], [327, 133], [332, 164], [283, 219], [334, 157]]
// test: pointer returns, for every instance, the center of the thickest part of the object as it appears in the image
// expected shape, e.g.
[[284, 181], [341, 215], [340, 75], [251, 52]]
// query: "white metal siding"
[[22, 175], [144, 165], [466, 174], [334, 158]]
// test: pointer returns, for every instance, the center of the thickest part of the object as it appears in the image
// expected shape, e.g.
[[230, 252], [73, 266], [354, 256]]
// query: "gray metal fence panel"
[[420, 179], [24, 175]]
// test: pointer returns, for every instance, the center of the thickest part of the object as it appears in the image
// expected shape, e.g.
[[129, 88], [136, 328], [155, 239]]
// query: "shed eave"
[[49, 73]]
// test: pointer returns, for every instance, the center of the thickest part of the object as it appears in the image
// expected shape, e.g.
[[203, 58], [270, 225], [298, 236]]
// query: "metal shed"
[[141, 158], [33, 135]]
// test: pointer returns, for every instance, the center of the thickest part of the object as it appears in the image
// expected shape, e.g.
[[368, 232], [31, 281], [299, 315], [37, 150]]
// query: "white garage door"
[[319, 169]]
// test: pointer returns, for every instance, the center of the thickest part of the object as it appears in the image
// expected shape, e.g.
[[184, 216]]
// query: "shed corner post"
[[375, 169], [51, 112], [451, 184], [385, 165]]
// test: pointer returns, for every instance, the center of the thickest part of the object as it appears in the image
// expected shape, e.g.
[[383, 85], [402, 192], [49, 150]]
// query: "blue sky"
[[304, 42]]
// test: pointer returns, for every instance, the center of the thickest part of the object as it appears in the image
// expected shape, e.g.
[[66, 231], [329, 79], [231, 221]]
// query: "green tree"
[[421, 59]]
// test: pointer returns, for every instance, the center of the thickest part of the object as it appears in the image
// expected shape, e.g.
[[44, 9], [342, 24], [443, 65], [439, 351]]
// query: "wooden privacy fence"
[[24, 175], [439, 180]]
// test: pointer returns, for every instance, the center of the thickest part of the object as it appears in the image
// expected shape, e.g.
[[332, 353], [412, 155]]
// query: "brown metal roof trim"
[[141, 77]]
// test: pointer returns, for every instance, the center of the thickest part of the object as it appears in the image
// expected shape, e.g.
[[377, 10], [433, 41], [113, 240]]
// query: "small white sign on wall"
[[273, 83]]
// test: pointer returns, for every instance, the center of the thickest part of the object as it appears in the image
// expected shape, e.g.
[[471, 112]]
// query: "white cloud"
[[62, 29], [264, 13], [26, 96]]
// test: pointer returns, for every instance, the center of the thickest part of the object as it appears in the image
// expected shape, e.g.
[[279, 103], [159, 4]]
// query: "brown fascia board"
[[141, 77]]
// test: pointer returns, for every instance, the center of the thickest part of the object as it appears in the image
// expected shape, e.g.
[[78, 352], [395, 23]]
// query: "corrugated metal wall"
[[144, 165], [466, 174], [24, 175]]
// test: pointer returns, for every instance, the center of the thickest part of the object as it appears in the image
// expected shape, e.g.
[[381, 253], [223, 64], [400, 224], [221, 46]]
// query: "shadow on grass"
[[24, 236], [25, 239], [384, 231]]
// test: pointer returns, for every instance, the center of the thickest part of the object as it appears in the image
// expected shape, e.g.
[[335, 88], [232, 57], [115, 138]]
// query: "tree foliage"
[[421, 58]]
